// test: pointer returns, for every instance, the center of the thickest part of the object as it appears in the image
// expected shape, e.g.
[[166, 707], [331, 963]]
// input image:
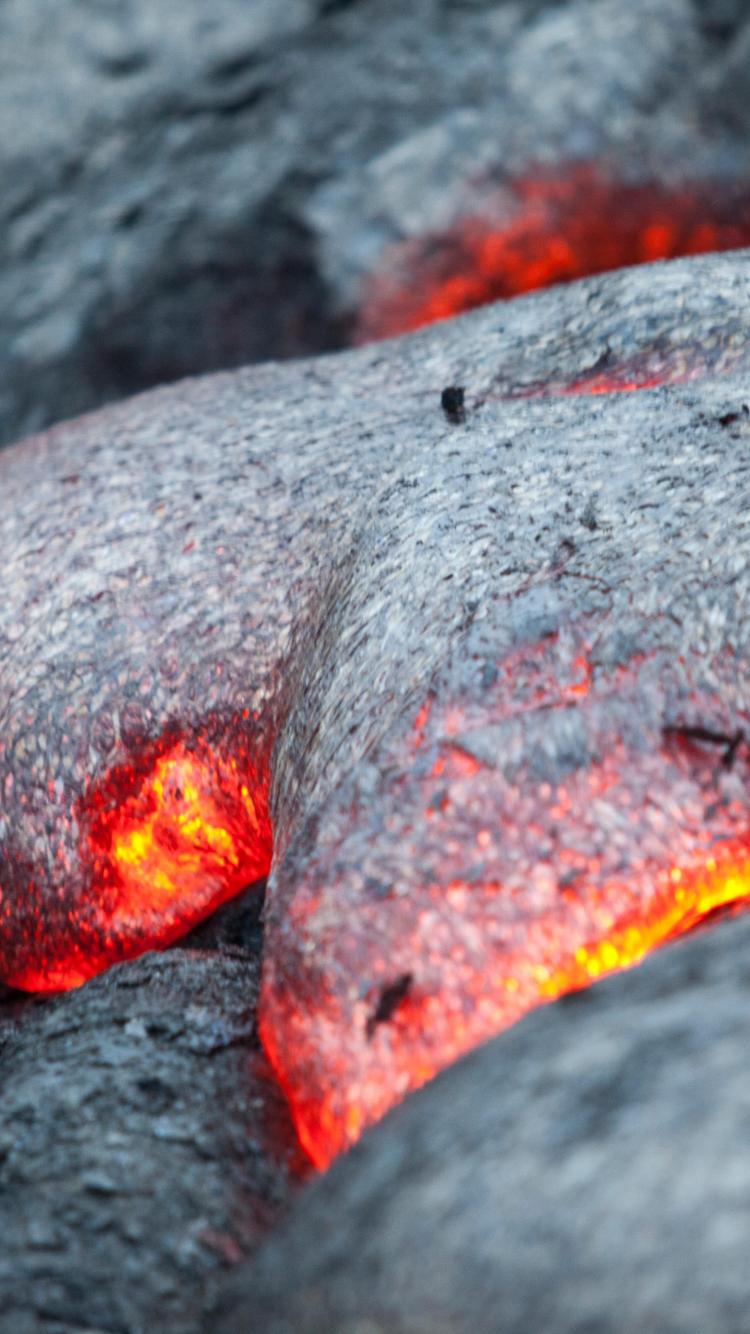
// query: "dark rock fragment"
[[144, 1145]]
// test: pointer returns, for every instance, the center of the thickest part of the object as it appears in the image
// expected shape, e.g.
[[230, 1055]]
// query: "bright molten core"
[[149, 851], [179, 832]]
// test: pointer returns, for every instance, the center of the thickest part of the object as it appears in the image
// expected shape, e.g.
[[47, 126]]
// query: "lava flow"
[[161, 842], [479, 889], [563, 226]]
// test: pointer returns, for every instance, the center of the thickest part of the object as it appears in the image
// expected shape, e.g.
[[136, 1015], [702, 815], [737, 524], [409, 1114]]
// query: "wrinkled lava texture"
[[521, 775], [558, 226], [181, 826], [523, 883]]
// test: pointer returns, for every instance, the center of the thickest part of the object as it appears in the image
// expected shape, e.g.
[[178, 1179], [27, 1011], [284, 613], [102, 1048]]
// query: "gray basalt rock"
[[144, 1146], [322, 545], [187, 191], [586, 1171]]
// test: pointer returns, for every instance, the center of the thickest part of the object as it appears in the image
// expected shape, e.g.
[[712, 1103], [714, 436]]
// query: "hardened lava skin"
[[483, 671]]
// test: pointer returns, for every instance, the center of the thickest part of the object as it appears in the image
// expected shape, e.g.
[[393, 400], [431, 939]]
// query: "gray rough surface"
[[187, 190], [144, 1146], [289, 501], [585, 1173], [307, 491]]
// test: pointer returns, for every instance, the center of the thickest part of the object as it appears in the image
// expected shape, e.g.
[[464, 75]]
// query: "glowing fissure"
[[550, 963], [565, 225], [179, 828]]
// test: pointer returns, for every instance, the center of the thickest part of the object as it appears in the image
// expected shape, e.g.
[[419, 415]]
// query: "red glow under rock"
[[163, 840], [564, 226], [489, 891]]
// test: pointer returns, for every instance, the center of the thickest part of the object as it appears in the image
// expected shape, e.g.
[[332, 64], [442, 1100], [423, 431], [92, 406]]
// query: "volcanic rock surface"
[[586, 1171], [321, 557], [144, 1146], [187, 191]]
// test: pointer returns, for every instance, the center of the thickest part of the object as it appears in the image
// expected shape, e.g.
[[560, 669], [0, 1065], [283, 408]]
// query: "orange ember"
[[497, 891], [178, 832], [562, 227], [163, 840]]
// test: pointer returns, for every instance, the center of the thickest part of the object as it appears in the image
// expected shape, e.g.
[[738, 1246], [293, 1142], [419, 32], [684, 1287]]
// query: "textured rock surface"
[[183, 192], [144, 1146], [573, 599], [291, 502], [186, 194], [586, 1171], [253, 575]]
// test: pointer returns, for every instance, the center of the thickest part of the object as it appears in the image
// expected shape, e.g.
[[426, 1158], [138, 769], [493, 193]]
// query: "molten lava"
[[491, 889], [563, 226], [468, 889], [162, 841]]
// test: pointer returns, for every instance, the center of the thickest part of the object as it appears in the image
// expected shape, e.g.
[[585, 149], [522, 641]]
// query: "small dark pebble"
[[389, 1000], [729, 418], [452, 403]]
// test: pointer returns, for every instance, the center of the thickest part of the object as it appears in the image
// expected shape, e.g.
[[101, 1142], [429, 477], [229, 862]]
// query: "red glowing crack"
[[466, 893]]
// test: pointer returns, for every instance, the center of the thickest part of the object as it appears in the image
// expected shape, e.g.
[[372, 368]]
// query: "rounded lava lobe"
[[540, 836], [418, 851], [161, 841], [576, 221]]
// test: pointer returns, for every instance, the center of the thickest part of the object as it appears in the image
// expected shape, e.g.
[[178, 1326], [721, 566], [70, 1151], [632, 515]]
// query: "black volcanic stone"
[[144, 1145]]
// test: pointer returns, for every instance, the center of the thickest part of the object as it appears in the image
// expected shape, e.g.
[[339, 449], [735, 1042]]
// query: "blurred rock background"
[[191, 186]]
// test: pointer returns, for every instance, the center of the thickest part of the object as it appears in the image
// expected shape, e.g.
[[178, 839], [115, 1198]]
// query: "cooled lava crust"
[[483, 670]]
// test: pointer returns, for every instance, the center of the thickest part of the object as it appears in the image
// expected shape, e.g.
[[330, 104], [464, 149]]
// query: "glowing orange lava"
[[549, 964], [564, 226], [496, 892], [163, 840], [177, 831]]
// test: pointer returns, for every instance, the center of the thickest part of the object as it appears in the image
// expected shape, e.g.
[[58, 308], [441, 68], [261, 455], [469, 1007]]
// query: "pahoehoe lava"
[[498, 786], [547, 227], [440, 647]]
